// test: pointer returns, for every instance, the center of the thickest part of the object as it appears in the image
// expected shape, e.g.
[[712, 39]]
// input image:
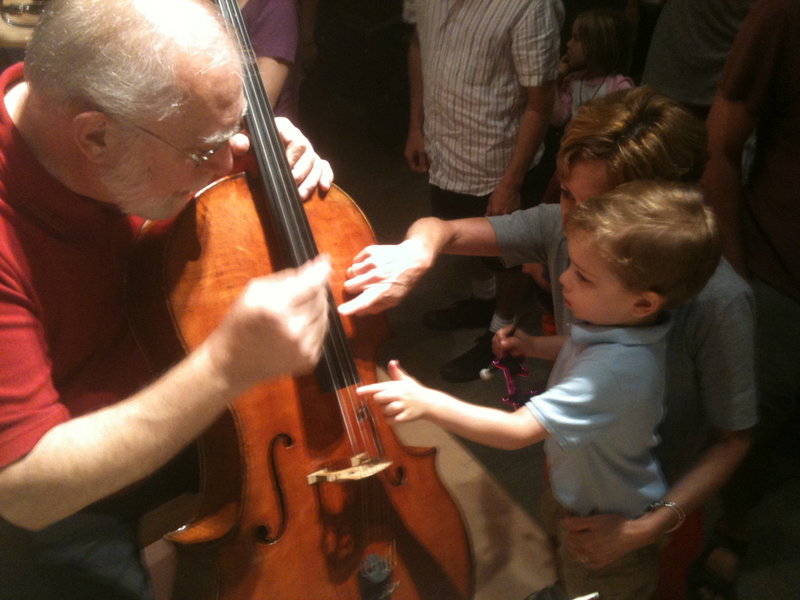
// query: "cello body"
[[267, 527]]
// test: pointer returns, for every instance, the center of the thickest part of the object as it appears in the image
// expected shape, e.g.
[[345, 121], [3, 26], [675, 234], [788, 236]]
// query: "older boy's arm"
[[603, 539], [712, 470], [381, 276]]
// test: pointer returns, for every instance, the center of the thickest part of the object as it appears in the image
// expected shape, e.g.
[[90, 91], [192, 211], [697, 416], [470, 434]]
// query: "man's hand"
[[381, 276], [276, 327], [504, 200], [414, 152], [309, 170]]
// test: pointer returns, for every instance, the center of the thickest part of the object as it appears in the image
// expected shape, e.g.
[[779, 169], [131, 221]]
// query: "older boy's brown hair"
[[655, 236], [640, 134]]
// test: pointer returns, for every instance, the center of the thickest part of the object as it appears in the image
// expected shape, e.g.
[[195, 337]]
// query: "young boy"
[[634, 253]]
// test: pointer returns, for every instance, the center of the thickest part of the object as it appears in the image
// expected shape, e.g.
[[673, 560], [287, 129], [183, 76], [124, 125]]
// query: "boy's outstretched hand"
[[402, 399]]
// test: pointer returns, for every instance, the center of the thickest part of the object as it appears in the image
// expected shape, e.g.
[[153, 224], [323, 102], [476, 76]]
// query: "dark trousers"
[[448, 205], [94, 554], [87, 555]]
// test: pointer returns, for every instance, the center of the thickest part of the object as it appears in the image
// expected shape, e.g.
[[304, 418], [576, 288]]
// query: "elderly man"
[[124, 109]]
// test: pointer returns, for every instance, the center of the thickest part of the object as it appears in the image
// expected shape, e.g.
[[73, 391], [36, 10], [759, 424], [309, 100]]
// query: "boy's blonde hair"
[[655, 236], [640, 134], [606, 37]]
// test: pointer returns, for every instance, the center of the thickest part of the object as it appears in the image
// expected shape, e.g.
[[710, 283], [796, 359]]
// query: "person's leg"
[[475, 310], [549, 514], [632, 577], [87, 555], [512, 285]]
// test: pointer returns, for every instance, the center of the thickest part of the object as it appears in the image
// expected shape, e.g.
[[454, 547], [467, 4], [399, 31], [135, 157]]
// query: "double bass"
[[305, 491]]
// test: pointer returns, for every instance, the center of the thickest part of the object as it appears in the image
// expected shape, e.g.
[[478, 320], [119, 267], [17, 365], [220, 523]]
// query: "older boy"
[[634, 253]]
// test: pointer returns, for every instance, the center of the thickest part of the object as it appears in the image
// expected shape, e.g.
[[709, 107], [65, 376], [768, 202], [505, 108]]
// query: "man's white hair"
[[128, 58]]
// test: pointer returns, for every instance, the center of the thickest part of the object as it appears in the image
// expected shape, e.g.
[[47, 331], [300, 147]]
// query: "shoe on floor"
[[467, 366], [707, 580], [552, 592], [471, 312]]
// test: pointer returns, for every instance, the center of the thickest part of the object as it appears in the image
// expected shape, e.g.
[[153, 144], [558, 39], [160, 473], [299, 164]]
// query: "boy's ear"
[[648, 304]]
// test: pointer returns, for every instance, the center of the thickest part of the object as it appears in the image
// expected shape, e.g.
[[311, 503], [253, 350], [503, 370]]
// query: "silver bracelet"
[[675, 507]]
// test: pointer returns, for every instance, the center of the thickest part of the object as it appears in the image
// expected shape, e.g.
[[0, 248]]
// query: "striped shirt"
[[478, 56]]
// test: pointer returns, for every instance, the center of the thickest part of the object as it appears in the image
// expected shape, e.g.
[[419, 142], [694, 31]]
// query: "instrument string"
[[300, 246], [286, 206]]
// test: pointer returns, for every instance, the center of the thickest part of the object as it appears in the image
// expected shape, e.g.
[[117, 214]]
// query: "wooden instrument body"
[[262, 530]]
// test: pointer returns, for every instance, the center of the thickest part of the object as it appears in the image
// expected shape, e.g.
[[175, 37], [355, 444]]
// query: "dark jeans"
[[85, 556], [93, 554]]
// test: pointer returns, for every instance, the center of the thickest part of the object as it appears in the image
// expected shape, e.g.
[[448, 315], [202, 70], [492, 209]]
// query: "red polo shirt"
[[65, 345]]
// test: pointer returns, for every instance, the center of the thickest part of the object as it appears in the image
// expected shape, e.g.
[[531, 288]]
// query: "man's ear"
[[92, 135], [648, 304]]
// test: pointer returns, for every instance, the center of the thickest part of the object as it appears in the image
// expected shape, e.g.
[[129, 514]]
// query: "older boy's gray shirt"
[[714, 330]]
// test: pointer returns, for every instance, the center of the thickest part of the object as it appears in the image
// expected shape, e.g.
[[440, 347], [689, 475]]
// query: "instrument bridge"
[[361, 466]]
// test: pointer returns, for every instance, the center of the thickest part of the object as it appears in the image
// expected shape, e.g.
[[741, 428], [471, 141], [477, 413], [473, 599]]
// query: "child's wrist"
[[532, 347]]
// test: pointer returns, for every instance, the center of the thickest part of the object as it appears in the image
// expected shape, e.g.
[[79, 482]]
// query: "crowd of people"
[[668, 260]]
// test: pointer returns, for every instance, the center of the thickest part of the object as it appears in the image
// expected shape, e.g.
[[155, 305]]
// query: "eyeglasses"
[[22, 14], [199, 157]]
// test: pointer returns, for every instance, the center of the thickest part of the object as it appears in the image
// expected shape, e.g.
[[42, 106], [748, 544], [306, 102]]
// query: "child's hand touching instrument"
[[402, 399]]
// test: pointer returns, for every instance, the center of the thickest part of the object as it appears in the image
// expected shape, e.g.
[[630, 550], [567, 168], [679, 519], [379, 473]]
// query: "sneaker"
[[467, 367], [471, 312], [549, 593]]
